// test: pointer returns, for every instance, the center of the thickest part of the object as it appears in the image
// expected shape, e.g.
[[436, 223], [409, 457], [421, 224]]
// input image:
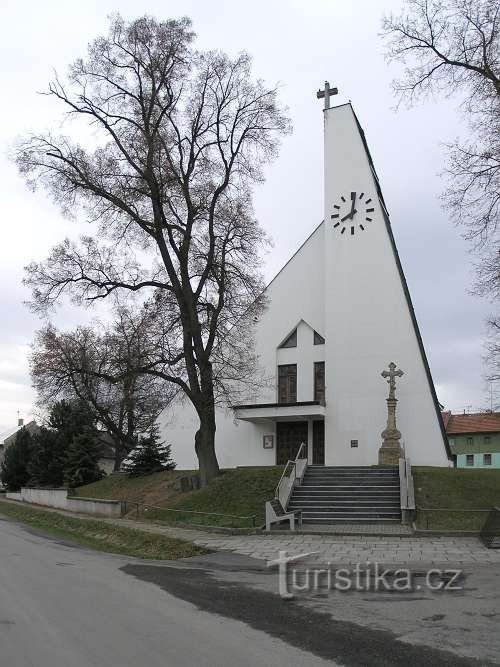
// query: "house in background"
[[8, 437], [474, 439], [106, 460]]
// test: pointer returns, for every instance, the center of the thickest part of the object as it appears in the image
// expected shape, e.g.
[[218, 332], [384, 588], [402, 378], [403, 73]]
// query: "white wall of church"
[[368, 321]]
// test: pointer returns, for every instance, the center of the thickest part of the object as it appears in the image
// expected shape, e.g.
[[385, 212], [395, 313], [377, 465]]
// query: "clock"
[[352, 213]]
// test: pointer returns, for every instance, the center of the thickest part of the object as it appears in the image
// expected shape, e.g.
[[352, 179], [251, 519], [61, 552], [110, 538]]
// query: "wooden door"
[[289, 437]]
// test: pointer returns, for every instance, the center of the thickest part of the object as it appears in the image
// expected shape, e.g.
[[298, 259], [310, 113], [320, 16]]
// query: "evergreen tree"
[[150, 456], [68, 421], [82, 459], [15, 473], [48, 461]]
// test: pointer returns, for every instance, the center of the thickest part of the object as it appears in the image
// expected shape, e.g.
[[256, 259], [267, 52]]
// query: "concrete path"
[[328, 548], [349, 550]]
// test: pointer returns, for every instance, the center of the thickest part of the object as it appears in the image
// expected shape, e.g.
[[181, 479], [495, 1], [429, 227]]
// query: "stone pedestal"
[[390, 452]]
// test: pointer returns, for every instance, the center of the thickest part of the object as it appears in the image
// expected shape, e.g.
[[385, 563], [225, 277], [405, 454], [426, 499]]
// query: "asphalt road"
[[69, 607], [61, 605]]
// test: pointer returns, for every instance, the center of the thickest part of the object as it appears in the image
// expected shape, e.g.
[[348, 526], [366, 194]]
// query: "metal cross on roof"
[[326, 94]]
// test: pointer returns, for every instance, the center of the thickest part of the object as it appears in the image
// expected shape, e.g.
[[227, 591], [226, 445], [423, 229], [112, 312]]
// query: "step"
[[343, 503]]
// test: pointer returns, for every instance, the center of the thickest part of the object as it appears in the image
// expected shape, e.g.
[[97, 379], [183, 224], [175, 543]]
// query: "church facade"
[[338, 313]]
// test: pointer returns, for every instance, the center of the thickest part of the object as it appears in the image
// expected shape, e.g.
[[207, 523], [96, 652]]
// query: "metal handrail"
[[283, 475], [287, 471], [302, 446]]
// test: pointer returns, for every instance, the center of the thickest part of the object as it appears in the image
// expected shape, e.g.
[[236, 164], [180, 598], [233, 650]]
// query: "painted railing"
[[292, 475], [406, 490]]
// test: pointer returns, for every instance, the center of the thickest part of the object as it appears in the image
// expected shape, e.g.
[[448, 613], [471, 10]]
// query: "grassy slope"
[[443, 488], [239, 491], [102, 536]]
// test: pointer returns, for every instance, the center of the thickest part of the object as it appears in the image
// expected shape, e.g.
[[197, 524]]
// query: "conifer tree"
[[150, 456], [82, 460], [14, 473]]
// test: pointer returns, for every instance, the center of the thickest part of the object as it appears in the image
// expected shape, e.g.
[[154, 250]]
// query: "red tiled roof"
[[482, 422]]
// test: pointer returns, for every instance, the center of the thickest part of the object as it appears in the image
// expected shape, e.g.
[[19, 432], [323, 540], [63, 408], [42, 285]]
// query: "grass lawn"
[[102, 536], [455, 489], [241, 492]]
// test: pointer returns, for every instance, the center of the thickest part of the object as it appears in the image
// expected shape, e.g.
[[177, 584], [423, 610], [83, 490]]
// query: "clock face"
[[352, 213]]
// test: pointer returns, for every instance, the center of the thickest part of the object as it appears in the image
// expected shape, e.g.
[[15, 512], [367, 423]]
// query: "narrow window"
[[318, 339], [319, 381], [470, 441], [287, 383], [487, 439], [469, 460], [486, 459], [291, 341]]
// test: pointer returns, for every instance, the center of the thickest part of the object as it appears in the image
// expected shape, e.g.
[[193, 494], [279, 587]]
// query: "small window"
[[470, 441], [469, 460], [452, 442], [318, 339], [354, 443], [487, 439], [486, 459], [291, 341]]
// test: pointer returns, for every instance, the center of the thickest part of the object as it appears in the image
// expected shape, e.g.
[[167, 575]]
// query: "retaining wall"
[[59, 499]]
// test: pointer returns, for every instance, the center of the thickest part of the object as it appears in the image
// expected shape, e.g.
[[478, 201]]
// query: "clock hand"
[[349, 216], [353, 198]]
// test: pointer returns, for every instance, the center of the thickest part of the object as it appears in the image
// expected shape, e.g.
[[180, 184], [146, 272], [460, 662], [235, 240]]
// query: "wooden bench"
[[275, 514]]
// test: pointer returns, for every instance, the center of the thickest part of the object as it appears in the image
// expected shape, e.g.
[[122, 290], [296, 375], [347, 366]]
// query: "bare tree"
[[98, 365], [181, 136], [453, 47]]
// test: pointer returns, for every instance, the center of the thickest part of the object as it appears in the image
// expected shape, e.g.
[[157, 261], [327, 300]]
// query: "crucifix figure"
[[391, 452], [392, 374], [326, 94]]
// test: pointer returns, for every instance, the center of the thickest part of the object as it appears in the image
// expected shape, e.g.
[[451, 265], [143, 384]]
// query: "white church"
[[338, 313]]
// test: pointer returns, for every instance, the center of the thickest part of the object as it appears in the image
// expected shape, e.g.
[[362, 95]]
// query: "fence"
[[452, 518], [174, 515]]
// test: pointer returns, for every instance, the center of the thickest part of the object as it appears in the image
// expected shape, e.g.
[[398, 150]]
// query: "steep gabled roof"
[[482, 422]]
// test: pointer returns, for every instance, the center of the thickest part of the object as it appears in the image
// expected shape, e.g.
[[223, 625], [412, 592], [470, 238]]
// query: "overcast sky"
[[298, 44]]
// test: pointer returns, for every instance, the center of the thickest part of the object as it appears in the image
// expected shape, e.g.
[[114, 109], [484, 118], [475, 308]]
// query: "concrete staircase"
[[331, 494]]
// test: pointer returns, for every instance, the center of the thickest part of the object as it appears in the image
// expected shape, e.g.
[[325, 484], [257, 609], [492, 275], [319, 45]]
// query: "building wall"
[[479, 461], [460, 443], [368, 320]]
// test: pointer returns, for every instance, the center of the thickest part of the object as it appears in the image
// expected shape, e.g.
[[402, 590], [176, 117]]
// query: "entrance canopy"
[[280, 411]]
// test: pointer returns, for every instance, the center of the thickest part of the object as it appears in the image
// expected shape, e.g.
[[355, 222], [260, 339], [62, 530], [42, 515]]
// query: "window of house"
[[470, 441], [319, 380], [291, 341], [318, 339], [486, 459], [287, 383], [487, 439], [469, 460]]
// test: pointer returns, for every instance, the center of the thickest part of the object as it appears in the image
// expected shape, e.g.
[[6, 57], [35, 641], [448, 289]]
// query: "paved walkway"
[[326, 548], [349, 550]]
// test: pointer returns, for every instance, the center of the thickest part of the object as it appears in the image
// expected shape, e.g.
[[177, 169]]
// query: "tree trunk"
[[205, 448]]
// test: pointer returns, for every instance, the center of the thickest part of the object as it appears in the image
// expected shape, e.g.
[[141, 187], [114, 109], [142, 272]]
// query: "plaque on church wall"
[[268, 441]]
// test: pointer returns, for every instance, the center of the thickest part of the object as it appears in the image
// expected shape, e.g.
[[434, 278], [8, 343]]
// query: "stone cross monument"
[[390, 452]]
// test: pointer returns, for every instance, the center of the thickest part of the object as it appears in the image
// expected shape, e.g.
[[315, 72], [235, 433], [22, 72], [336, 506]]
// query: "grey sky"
[[298, 44]]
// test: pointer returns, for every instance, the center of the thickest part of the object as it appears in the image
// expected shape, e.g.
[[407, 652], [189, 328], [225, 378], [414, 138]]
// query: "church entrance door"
[[319, 443], [289, 436]]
